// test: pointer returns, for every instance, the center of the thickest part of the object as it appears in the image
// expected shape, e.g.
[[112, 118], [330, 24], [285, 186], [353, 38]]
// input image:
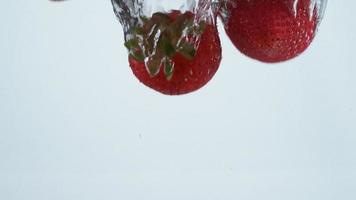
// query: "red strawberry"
[[164, 57], [270, 30]]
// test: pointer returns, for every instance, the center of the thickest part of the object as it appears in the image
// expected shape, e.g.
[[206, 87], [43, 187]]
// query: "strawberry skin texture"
[[188, 75], [268, 30]]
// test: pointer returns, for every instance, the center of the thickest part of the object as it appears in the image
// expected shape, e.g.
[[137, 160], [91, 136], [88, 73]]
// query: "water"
[[144, 26], [320, 6], [130, 11], [315, 5]]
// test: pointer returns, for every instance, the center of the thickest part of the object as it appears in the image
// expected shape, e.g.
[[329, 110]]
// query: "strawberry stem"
[[161, 37]]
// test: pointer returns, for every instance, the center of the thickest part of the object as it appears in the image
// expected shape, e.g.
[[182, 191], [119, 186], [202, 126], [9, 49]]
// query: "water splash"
[[314, 5], [134, 15], [317, 6]]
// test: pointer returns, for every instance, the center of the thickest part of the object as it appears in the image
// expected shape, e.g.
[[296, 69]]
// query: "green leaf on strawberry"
[[159, 38]]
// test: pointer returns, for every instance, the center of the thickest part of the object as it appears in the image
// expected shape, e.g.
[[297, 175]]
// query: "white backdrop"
[[76, 124]]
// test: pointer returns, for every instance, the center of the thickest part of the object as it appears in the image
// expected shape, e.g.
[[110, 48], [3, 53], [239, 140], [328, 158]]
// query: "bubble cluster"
[[145, 25]]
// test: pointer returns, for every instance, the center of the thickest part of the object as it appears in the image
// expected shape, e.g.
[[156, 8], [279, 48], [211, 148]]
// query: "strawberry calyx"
[[159, 38]]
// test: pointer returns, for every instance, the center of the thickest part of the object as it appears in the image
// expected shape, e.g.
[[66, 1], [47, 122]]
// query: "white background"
[[76, 124]]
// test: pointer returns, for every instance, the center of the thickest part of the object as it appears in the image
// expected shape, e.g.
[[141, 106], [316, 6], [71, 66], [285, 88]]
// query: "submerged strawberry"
[[172, 53], [270, 30]]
